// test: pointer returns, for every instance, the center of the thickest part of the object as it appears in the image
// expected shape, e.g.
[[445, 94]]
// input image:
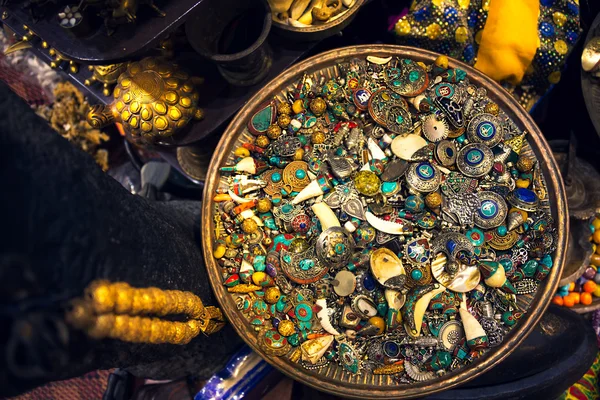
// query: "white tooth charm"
[[323, 316], [238, 199], [314, 349], [246, 164], [414, 310], [404, 146], [373, 59], [313, 189], [476, 337], [390, 227], [326, 216], [375, 150]]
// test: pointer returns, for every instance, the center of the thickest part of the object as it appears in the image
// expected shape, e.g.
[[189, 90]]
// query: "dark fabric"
[[66, 223]]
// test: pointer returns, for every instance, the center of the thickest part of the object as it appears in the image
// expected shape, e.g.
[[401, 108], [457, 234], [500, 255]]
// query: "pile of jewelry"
[[386, 219]]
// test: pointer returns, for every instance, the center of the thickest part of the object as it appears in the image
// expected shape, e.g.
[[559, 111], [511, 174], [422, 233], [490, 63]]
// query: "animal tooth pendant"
[[476, 337], [495, 276], [417, 301], [314, 349], [323, 316], [390, 227], [395, 301], [317, 187], [325, 215], [247, 164]]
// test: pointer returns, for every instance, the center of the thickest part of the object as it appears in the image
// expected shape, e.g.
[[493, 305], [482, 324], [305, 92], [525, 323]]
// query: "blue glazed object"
[[242, 373]]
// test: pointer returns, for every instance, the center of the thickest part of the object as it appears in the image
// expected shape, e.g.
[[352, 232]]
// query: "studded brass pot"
[[334, 379], [154, 99]]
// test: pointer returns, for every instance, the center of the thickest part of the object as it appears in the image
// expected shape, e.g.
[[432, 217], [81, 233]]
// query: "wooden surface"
[[362, 386]]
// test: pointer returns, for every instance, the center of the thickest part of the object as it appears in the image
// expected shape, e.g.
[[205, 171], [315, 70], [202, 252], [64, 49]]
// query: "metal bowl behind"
[[335, 380], [321, 31]]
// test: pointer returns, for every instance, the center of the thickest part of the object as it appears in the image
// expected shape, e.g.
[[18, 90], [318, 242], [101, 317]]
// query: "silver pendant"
[[423, 177], [485, 129], [475, 160], [492, 210]]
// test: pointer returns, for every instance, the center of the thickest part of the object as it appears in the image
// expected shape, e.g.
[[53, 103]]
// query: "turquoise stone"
[[300, 174], [547, 260], [294, 340], [461, 139], [502, 231], [281, 303], [276, 177], [307, 264], [260, 122], [416, 274], [415, 203], [259, 263], [390, 188], [413, 76], [529, 268], [507, 264], [382, 309]]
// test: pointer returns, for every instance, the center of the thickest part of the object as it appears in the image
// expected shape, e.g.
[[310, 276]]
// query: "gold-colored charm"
[[107, 75], [110, 310], [389, 369], [153, 99], [505, 242], [295, 174]]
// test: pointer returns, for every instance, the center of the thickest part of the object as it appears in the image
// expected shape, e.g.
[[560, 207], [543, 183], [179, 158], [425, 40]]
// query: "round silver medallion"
[[335, 247], [423, 177], [434, 129], [485, 128], [492, 210], [475, 160]]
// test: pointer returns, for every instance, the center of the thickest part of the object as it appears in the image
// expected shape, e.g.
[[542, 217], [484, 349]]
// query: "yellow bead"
[[258, 277], [464, 4], [272, 294], [554, 77], [286, 327], [596, 237], [523, 183], [524, 163], [596, 292], [433, 31], [318, 137], [402, 27], [242, 152], [273, 131], [299, 154], [264, 205], [491, 108], [284, 108], [596, 223], [559, 18], [478, 36], [433, 200], [249, 225], [318, 106], [220, 251], [298, 106], [379, 323], [262, 141], [284, 120], [461, 35], [442, 62], [595, 259], [561, 47]]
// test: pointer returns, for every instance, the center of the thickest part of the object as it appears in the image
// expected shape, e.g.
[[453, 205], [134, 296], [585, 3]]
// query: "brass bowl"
[[318, 31], [334, 379]]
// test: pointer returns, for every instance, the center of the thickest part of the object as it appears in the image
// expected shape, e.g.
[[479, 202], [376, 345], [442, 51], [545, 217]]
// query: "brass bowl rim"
[[539, 304], [322, 27]]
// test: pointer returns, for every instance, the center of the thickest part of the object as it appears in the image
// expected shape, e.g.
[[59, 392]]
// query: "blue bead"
[[573, 8], [368, 282], [469, 52], [572, 37], [547, 3], [473, 18], [546, 29], [526, 195]]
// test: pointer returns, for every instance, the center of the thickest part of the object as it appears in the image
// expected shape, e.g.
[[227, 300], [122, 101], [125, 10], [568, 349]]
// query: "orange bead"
[[571, 286], [557, 300], [589, 286], [586, 298], [568, 301], [576, 297], [596, 237]]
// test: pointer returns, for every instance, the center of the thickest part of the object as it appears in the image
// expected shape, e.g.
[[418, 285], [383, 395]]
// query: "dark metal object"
[[357, 386], [582, 181], [579, 251], [232, 34], [590, 86], [98, 48]]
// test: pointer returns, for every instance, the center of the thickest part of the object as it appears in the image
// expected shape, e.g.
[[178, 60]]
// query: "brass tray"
[[333, 378]]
